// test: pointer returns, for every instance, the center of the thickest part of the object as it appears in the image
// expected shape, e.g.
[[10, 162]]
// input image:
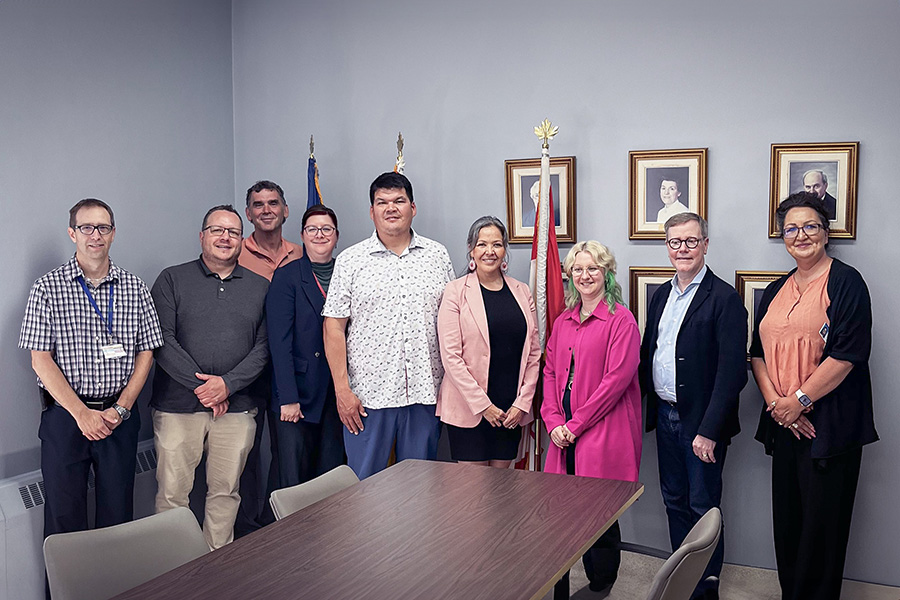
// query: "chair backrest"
[[100, 563], [679, 575], [289, 500]]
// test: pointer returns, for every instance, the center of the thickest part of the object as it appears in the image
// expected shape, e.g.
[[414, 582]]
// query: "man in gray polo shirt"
[[211, 311]]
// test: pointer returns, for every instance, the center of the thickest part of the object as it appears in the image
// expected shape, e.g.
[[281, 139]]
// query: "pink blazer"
[[606, 395], [466, 352]]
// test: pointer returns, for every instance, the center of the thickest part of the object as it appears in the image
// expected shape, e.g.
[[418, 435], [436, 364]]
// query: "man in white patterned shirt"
[[91, 328], [381, 333]]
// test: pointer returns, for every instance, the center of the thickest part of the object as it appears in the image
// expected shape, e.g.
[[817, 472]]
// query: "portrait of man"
[[667, 192], [532, 183], [816, 177]]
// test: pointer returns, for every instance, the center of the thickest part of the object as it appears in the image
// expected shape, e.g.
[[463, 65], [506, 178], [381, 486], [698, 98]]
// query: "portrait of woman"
[[810, 357], [490, 352], [592, 398]]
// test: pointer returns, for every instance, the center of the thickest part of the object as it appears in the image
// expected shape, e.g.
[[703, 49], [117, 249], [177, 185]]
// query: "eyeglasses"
[[89, 229], [217, 230], [312, 230], [592, 270], [691, 243], [810, 229]]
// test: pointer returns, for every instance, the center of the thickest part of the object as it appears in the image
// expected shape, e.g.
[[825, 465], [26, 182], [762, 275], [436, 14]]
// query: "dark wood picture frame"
[[648, 169], [521, 174]]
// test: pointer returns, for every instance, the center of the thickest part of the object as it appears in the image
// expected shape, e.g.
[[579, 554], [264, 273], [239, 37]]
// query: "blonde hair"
[[603, 257]]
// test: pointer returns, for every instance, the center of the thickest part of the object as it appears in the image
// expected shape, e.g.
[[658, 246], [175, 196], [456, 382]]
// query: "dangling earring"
[[471, 265], [504, 265]]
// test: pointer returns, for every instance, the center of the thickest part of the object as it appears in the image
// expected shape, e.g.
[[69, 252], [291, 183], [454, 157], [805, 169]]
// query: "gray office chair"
[[100, 563], [679, 575], [290, 500]]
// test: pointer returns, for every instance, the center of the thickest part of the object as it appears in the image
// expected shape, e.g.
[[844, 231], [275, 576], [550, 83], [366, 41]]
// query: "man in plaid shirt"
[[91, 328]]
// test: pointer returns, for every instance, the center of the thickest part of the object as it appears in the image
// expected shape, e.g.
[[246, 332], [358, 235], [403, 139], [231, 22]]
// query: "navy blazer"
[[300, 371], [710, 359]]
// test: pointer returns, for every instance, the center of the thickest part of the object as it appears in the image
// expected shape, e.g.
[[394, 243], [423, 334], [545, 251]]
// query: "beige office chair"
[[100, 563], [290, 500], [679, 575]]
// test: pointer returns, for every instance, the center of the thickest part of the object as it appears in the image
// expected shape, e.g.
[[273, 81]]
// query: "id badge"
[[824, 332], [112, 351]]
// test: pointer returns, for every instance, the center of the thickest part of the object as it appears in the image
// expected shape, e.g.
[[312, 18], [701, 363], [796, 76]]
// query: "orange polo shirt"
[[792, 333], [262, 263]]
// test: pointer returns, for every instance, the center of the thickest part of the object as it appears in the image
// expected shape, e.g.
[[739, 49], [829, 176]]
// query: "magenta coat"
[[606, 395]]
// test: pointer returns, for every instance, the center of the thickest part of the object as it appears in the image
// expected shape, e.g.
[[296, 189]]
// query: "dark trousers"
[[307, 450], [601, 561], [66, 459], [254, 511], [812, 502], [690, 487]]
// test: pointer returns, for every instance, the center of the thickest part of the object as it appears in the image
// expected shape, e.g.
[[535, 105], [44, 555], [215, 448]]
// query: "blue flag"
[[314, 195]]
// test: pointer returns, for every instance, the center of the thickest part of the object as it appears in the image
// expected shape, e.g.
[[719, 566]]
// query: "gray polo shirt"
[[212, 326]]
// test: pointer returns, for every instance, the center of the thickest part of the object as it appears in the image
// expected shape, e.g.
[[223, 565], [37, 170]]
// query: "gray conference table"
[[419, 529]]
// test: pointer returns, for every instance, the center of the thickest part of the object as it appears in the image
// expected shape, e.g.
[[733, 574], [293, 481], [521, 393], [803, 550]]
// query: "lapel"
[[703, 292], [654, 317], [309, 284], [475, 305]]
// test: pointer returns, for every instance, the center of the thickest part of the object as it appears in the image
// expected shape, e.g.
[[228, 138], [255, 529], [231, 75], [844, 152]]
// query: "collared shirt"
[[669, 326], [213, 326], [259, 261], [59, 318], [392, 302]]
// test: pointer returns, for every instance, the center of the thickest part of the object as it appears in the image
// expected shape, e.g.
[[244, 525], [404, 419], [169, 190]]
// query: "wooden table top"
[[419, 529]]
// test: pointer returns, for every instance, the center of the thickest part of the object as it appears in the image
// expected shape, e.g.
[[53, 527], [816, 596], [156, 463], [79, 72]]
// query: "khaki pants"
[[181, 440]]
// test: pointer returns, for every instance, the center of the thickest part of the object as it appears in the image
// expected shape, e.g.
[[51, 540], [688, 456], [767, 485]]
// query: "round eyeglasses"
[[592, 270], [691, 243]]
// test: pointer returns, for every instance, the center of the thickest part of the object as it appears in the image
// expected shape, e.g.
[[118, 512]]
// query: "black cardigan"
[[843, 418]]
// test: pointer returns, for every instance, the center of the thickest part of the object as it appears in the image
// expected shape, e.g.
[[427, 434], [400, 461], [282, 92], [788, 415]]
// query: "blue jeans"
[[414, 428], [689, 486]]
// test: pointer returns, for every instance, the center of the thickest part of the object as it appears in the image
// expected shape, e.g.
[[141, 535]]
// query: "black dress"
[[507, 331]]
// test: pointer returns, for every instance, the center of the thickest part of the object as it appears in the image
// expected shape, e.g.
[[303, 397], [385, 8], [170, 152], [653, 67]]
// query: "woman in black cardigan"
[[810, 352]]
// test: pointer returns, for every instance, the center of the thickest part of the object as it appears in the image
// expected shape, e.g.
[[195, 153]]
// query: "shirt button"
[[221, 289]]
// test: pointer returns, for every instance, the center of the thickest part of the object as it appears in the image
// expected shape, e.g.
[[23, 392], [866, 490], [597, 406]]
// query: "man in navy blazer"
[[693, 367]]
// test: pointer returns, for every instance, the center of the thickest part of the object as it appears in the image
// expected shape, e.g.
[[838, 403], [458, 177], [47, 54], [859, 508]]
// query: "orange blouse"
[[793, 332]]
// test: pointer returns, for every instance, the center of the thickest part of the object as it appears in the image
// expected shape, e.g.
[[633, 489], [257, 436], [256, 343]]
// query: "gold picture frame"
[[749, 286], [521, 175], [648, 171], [642, 283], [837, 164]]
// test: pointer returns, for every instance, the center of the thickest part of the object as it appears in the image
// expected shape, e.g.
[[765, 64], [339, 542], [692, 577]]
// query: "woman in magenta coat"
[[592, 399]]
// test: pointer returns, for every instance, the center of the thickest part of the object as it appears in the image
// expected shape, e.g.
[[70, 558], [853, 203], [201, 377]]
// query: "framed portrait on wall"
[[828, 170], [663, 183], [523, 178], [750, 286], [642, 284]]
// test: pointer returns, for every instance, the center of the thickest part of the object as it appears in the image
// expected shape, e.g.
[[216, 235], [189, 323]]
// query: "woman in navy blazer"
[[490, 352], [310, 440]]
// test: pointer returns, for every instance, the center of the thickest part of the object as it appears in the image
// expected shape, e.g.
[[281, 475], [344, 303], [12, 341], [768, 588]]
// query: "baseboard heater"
[[22, 524]]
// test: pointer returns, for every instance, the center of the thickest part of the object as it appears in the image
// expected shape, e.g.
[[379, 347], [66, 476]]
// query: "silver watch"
[[124, 413]]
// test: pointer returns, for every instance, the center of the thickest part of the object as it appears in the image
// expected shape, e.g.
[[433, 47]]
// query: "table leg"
[[561, 589]]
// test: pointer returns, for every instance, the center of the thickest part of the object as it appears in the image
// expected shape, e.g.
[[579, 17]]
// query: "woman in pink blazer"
[[592, 399], [490, 351]]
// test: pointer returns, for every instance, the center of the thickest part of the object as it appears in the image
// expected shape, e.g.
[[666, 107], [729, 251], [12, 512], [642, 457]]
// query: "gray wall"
[[123, 100], [466, 81]]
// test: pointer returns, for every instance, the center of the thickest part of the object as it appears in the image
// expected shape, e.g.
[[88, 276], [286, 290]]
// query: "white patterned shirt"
[[59, 318], [392, 303]]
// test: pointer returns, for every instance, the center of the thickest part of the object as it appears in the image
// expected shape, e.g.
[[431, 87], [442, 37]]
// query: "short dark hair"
[[802, 200], [90, 203], [318, 209], [265, 184], [226, 208], [389, 181]]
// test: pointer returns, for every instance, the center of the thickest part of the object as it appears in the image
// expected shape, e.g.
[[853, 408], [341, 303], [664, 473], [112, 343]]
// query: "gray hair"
[[687, 217], [479, 224], [822, 173]]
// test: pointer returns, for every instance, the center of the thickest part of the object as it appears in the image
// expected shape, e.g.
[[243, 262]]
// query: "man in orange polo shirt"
[[262, 252]]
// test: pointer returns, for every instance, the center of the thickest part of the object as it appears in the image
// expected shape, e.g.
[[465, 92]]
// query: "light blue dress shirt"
[[669, 326]]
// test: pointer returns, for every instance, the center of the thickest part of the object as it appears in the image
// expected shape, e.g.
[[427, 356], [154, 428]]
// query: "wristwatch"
[[804, 399], [123, 412]]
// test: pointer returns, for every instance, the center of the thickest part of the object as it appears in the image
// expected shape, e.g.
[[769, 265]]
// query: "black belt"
[[672, 404], [92, 403]]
